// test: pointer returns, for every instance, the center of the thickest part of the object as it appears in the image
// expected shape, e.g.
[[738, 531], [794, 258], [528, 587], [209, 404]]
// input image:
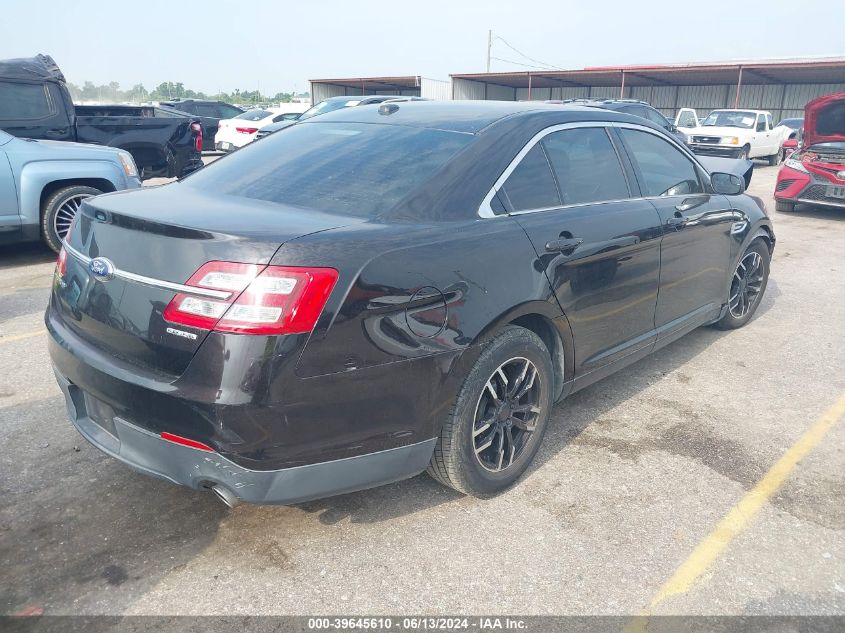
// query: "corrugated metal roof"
[[373, 83], [788, 71]]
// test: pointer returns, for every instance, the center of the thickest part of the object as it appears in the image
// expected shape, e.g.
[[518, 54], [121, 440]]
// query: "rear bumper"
[[145, 452]]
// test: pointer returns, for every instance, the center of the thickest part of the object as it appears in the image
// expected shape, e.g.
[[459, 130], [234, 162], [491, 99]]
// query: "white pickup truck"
[[734, 134]]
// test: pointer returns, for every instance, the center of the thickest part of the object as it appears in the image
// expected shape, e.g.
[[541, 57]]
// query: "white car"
[[237, 132], [736, 134]]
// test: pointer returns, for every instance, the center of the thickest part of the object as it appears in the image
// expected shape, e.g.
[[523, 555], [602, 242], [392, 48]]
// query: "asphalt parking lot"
[[617, 515]]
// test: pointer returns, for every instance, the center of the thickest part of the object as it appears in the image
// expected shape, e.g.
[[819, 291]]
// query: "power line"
[[510, 61], [536, 61]]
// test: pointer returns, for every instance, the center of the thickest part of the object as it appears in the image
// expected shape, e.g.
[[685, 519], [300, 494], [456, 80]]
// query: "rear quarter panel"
[[469, 278]]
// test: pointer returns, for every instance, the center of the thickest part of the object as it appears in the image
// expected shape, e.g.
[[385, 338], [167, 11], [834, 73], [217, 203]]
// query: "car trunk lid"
[[151, 251]]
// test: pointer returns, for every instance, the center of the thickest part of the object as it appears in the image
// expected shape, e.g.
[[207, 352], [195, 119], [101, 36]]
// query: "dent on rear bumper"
[[147, 453]]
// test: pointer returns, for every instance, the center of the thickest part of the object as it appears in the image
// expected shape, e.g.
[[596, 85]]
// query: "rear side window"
[[23, 101], [663, 169], [206, 109], [356, 169], [531, 185], [586, 166]]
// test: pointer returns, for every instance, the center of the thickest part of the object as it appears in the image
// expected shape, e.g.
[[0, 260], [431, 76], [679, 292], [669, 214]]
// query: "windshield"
[[356, 169], [254, 115], [731, 118], [328, 106], [795, 124]]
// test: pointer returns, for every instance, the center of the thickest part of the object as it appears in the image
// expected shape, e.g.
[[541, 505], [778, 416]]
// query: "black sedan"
[[382, 291]]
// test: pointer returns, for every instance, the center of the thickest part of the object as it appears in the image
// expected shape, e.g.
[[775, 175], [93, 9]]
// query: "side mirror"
[[761, 127], [727, 184], [672, 128]]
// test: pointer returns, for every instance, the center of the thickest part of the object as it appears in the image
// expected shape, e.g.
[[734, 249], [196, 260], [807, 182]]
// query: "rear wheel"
[[495, 427], [747, 286], [59, 210], [775, 159], [784, 206]]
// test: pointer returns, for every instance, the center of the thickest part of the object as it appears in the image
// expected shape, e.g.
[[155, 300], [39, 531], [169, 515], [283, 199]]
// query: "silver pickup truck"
[[43, 182]]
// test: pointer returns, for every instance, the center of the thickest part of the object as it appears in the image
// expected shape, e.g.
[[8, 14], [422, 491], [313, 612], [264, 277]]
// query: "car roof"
[[465, 116]]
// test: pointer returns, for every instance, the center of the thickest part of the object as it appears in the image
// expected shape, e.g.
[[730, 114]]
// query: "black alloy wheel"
[[506, 414]]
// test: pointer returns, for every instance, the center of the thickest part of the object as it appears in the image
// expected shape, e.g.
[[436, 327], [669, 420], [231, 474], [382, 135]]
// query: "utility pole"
[[489, 46]]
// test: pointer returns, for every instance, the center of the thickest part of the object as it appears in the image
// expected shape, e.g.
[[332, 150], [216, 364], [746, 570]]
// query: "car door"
[[695, 251], [760, 145], [599, 247]]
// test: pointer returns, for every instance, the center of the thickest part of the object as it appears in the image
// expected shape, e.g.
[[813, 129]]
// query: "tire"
[[784, 206], [748, 285], [775, 159], [744, 153], [58, 212], [456, 462]]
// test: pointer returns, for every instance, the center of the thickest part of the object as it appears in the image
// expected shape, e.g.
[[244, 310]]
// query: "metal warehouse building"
[[410, 86], [782, 87]]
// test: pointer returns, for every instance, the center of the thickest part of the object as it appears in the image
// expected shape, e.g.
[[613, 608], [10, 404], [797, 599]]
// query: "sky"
[[220, 45]]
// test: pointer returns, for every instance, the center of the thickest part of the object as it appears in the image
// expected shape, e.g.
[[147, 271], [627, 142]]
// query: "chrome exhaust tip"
[[226, 496]]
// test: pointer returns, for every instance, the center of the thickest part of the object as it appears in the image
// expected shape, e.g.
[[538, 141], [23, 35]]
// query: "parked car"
[[815, 172], [237, 132], [330, 105], [387, 290], [338, 103], [35, 103], [209, 114], [635, 107], [43, 183], [738, 134], [791, 130]]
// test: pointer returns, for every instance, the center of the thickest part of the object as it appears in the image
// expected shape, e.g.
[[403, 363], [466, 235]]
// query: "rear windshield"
[[254, 115], [356, 169]]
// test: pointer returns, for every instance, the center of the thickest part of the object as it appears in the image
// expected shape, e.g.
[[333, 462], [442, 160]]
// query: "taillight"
[[197, 130], [275, 300], [61, 263], [246, 130]]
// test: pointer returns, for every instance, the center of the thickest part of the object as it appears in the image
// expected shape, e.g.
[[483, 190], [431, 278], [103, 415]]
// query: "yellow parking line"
[[743, 512], [20, 337]]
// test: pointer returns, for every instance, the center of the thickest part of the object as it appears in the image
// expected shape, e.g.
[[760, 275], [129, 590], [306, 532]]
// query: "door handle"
[[565, 246], [56, 132]]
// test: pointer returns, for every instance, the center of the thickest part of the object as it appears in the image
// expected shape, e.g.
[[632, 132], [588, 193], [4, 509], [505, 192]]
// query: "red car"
[[815, 172]]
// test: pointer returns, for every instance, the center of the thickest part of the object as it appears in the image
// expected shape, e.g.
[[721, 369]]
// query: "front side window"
[[586, 166], [24, 101], [663, 168], [532, 185]]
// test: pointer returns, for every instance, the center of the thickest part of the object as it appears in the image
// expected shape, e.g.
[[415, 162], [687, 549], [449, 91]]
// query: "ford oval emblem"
[[101, 268]]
